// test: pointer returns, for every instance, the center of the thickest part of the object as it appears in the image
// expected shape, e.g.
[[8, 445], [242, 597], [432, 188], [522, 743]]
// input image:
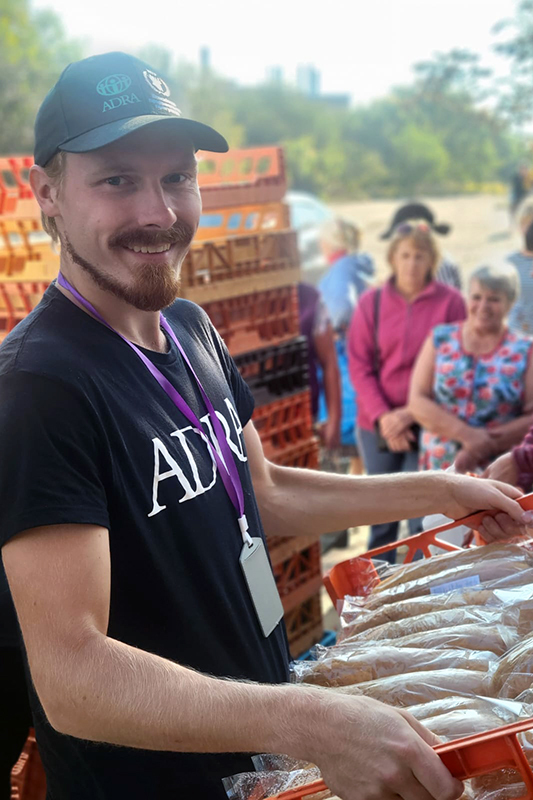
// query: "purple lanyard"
[[226, 464]]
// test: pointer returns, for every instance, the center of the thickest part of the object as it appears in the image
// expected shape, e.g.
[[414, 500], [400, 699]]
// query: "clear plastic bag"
[[371, 662], [514, 674]]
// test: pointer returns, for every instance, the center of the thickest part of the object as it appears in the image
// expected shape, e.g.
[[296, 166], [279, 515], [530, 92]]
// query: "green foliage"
[[33, 52], [517, 92], [436, 135]]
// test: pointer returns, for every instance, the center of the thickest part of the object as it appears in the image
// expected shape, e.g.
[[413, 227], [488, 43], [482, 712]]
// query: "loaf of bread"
[[445, 573], [420, 687], [497, 639], [507, 711], [356, 617], [371, 663], [514, 673], [462, 722], [436, 620]]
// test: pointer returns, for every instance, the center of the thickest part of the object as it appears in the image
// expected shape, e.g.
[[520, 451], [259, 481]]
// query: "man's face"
[[128, 213]]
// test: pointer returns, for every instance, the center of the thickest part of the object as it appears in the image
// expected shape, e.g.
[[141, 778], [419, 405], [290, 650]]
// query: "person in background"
[[520, 185], [388, 329], [349, 272], [316, 327], [15, 714], [521, 314], [472, 386], [447, 271]]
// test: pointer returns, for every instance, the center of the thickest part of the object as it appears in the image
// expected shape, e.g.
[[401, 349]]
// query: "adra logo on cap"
[[113, 84], [113, 87], [156, 83]]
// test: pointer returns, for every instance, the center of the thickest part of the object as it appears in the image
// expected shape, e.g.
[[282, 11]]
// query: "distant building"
[[205, 59], [308, 80], [336, 100], [274, 75]]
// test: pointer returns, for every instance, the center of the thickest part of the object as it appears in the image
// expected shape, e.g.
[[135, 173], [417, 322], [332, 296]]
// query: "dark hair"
[[528, 237]]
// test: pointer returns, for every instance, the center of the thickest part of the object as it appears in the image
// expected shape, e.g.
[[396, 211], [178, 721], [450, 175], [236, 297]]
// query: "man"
[[155, 663]]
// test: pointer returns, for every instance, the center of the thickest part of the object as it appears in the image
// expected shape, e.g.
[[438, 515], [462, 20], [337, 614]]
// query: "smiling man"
[[133, 492]]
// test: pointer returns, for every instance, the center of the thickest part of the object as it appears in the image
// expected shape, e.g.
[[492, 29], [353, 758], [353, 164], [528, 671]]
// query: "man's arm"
[[296, 502], [94, 687]]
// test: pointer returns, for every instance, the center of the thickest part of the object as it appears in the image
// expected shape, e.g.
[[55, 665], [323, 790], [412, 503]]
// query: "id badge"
[[261, 585]]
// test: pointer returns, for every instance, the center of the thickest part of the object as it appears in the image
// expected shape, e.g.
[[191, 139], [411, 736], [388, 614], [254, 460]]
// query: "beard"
[[155, 286]]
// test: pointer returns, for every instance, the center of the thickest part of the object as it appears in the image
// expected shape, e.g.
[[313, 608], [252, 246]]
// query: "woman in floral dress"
[[472, 386]]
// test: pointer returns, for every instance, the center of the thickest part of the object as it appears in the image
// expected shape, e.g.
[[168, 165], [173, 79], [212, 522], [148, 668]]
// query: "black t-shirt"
[[88, 436]]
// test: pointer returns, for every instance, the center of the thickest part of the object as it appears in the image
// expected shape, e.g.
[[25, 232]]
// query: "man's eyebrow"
[[121, 168]]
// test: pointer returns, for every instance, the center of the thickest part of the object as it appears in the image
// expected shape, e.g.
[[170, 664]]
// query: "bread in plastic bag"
[[460, 569], [419, 687], [356, 618], [369, 662], [513, 675]]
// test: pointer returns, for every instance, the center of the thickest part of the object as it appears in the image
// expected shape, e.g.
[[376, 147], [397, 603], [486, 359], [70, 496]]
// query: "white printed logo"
[[156, 83]]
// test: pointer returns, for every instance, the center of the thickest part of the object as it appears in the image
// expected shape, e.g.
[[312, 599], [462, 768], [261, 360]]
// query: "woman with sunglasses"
[[388, 329], [472, 386]]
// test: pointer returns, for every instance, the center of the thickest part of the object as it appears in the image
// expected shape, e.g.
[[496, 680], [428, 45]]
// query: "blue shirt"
[[343, 284], [521, 314]]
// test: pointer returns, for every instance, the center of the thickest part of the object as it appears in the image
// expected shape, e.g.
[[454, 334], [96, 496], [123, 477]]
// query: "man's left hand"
[[466, 495]]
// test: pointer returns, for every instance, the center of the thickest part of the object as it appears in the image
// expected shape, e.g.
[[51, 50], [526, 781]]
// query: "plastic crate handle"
[[465, 758]]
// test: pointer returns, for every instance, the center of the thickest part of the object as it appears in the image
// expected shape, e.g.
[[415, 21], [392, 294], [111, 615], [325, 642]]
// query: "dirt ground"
[[480, 227]]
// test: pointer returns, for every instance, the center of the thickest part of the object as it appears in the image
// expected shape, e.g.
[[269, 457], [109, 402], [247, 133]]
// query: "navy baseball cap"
[[103, 98]]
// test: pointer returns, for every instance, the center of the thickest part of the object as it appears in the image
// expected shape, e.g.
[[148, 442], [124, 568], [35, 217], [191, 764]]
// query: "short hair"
[[55, 170], [501, 277], [420, 234], [339, 234]]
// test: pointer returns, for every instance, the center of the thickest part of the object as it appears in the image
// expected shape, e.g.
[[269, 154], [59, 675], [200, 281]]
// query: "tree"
[[33, 53], [517, 92]]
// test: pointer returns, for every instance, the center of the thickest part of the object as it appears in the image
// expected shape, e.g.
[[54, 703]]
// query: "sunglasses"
[[409, 227]]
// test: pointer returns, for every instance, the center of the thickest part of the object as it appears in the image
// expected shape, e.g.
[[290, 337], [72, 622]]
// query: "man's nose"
[[154, 207]]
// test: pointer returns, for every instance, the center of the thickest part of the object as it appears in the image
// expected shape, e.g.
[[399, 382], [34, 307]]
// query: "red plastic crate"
[[28, 781], [275, 372], [16, 196], [254, 320], [304, 625], [17, 299], [299, 576], [284, 423], [242, 177], [304, 455]]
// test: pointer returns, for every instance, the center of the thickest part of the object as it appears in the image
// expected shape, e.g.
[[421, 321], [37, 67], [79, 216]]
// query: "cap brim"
[[202, 136]]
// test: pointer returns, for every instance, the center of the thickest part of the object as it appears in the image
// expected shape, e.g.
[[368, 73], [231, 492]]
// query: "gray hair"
[[498, 278]]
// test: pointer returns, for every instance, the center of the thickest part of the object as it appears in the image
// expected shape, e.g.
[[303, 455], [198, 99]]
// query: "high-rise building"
[[308, 80]]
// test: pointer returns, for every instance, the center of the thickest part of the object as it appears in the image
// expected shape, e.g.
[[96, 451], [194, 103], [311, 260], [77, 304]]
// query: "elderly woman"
[[472, 386], [388, 329]]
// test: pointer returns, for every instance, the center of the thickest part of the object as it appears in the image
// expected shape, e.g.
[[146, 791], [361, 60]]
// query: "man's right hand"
[[503, 469], [367, 750]]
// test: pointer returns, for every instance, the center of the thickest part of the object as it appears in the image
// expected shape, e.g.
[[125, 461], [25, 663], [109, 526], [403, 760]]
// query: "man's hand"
[[367, 750], [503, 469], [394, 423], [464, 495]]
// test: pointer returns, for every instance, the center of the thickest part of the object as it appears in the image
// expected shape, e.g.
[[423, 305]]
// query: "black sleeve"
[[52, 456]]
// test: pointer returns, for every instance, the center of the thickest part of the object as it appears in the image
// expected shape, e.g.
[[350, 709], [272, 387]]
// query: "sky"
[[360, 48]]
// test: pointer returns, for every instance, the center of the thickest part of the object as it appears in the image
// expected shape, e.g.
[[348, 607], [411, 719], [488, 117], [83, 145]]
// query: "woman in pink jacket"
[[389, 326]]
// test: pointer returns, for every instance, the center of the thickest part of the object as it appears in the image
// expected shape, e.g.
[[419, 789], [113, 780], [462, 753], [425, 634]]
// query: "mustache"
[[180, 233]]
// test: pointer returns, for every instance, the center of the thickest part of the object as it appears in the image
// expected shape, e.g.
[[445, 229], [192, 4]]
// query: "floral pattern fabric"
[[483, 391]]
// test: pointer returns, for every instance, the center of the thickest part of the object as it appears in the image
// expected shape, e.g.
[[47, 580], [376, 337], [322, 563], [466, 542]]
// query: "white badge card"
[[261, 585]]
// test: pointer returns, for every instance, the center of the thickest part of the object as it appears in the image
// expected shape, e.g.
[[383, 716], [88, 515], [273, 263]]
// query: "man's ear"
[[45, 190]]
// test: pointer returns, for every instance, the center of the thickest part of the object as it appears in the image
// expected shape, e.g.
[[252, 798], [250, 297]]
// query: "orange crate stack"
[[28, 781]]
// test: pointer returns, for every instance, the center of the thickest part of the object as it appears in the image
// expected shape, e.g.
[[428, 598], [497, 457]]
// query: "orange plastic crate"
[[242, 177], [219, 223], [304, 455], [284, 423], [354, 576], [254, 320], [15, 192], [304, 625], [28, 781], [17, 299], [466, 758], [232, 267]]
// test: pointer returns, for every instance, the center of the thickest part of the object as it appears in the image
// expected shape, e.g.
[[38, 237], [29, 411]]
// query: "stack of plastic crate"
[[244, 269], [27, 261]]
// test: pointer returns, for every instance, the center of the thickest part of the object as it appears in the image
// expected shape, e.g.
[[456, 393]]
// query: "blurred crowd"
[[428, 370]]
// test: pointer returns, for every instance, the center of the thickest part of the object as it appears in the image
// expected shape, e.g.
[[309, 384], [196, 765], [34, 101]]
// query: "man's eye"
[[176, 177], [115, 180]]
